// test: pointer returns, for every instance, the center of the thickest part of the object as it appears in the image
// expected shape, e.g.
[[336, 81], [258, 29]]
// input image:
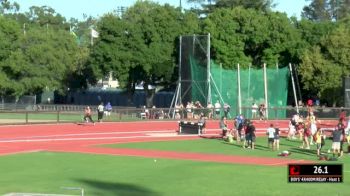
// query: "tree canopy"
[[323, 10], [139, 46], [40, 49]]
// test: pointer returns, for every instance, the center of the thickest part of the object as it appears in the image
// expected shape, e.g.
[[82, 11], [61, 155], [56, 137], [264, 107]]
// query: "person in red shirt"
[[310, 103], [342, 117], [309, 106]]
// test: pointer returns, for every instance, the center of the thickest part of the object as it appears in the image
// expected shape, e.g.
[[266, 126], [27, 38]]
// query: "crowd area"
[[193, 110], [305, 129]]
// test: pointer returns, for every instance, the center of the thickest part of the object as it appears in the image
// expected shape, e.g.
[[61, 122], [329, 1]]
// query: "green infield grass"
[[218, 146], [105, 175], [35, 117]]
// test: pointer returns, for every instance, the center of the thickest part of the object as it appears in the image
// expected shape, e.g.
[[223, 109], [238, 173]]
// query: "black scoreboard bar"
[[325, 173]]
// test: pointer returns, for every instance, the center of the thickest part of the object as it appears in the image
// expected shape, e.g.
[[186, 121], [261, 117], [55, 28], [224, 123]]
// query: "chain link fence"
[[75, 113]]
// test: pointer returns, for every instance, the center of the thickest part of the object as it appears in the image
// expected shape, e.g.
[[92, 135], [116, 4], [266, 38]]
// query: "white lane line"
[[81, 123], [99, 133], [21, 152], [89, 138]]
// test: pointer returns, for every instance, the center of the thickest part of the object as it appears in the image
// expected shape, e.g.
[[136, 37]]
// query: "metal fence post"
[[58, 116], [26, 117]]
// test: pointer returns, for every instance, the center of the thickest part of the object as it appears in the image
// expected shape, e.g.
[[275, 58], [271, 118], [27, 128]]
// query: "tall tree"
[[324, 65], [208, 6], [140, 46], [247, 36], [6, 6], [326, 10], [9, 41]]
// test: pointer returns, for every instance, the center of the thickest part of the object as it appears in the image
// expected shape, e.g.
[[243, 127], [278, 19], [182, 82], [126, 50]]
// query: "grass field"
[[111, 175], [47, 172], [216, 146]]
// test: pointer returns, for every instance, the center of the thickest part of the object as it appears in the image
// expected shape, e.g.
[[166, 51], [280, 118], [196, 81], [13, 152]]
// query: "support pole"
[[295, 96], [174, 102], [265, 90], [180, 70], [297, 81], [208, 71], [239, 90], [216, 88], [249, 82], [177, 95], [220, 77]]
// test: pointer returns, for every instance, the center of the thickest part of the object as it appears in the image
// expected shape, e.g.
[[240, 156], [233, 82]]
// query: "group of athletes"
[[310, 133], [244, 131], [306, 130]]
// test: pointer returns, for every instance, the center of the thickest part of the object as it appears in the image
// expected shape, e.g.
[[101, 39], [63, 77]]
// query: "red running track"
[[84, 138]]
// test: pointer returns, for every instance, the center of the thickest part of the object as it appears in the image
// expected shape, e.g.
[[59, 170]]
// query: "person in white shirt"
[[347, 133], [217, 109], [254, 110], [291, 130], [100, 111], [189, 108], [313, 126], [270, 136], [210, 110]]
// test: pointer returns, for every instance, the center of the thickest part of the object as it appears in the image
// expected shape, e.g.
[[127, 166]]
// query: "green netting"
[[225, 84], [199, 81]]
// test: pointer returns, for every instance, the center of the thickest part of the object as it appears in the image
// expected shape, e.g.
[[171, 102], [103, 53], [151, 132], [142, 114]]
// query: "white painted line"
[[92, 138], [21, 152], [82, 123], [34, 194], [98, 133]]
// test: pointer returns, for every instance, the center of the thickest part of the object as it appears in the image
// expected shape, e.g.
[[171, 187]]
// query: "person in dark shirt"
[[276, 141], [251, 130], [223, 127], [87, 115], [202, 122], [337, 134]]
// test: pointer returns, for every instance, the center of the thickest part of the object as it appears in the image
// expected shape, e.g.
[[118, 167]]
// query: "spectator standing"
[[178, 108], [291, 129], [100, 111], [347, 133], [342, 116], [189, 110], [223, 126], [313, 126], [307, 134], [210, 110], [319, 137], [254, 110], [217, 109], [227, 108], [310, 104], [239, 120], [247, 141], [276, 142], [252, 130], [336, 140], [270, 137], [262, 111], [108, 109], [202, 123]]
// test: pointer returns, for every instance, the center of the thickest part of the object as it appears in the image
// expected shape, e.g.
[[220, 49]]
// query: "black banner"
[[327, 173]]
